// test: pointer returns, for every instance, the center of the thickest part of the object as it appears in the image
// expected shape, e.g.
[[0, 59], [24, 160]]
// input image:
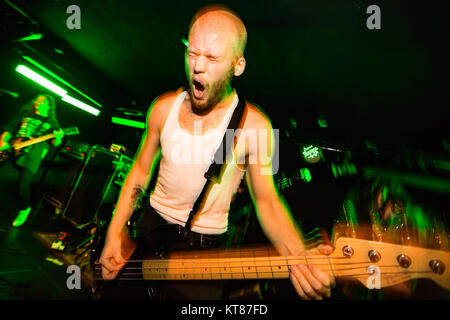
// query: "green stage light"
[[31, 37], [80, 105], [306, 174], [128, 122], [41, 80], [311, 154], [37, 64], [322, 123], [333, 168], [56, 89]]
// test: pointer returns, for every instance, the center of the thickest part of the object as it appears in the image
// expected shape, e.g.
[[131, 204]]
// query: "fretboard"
[[227, 268]]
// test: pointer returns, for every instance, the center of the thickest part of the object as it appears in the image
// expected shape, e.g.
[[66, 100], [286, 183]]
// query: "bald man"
[[182, 123]]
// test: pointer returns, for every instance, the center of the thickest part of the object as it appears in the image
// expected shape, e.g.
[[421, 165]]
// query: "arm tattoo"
[[136, 196]]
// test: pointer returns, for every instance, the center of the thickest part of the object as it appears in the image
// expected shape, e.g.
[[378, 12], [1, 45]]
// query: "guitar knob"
[[404, 260], [437, 266], [348, 251], [374, 256]]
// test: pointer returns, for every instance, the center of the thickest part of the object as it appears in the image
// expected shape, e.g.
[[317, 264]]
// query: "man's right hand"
[[111, 259]]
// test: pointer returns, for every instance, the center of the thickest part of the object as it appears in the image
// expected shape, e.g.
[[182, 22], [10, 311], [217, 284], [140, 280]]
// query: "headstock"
[[382, 264], [71, 131]]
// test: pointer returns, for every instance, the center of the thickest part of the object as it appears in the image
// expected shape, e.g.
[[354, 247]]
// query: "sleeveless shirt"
[[184, 160]]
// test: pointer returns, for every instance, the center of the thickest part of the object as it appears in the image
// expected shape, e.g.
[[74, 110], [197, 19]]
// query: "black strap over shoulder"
[[213, 174]]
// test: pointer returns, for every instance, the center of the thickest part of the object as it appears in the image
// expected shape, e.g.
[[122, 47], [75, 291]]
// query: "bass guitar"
[[375, 264]]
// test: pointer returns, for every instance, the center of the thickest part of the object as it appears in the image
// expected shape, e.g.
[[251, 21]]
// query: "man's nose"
[[200, 65]]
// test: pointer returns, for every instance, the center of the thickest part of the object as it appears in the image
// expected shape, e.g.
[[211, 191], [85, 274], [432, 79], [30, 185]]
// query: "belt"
[[199, 239], [151, 222]]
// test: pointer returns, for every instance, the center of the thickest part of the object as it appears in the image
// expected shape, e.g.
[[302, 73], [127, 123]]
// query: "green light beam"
[[40, 80], [37, 64], [128, 122], [81, 105]]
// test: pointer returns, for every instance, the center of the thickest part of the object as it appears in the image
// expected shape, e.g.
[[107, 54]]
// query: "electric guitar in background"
[[18, 146]]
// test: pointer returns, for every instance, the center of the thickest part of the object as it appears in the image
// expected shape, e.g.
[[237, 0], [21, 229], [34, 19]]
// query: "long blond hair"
[[28, 107]]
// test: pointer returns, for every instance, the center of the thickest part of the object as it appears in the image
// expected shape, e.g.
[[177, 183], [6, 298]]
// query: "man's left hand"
[[309, 281], [59, 134]]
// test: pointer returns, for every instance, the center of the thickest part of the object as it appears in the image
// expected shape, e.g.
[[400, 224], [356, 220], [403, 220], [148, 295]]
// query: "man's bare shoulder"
[[164, 101], [256, 118], [160, 107]]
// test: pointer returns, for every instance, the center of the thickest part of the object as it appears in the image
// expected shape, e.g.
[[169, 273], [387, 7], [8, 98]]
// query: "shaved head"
[[217, 18], [215, 54]]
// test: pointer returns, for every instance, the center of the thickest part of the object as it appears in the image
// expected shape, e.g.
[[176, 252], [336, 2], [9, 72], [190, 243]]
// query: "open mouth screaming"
[[198, 88]]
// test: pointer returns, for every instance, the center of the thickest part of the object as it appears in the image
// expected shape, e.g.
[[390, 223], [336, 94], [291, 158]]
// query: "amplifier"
[[93, 186], [59, 176], [79, 183]]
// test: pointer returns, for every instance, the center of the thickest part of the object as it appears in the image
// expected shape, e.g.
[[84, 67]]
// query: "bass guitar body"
[[11, 153]]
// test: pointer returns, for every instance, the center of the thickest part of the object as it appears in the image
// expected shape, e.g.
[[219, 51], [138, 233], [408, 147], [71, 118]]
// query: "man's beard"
[[217, 91]]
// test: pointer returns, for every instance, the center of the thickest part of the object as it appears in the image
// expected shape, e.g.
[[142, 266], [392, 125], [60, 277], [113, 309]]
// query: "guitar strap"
[[213, 174]]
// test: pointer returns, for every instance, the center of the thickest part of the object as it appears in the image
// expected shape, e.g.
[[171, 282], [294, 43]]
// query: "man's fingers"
[[326, 280], [320, 249], [305, 283], [113, 263], [298, 287], [319, 287], [110, 268], [107, 274], [116, 266], [312, 251], [325, 249]]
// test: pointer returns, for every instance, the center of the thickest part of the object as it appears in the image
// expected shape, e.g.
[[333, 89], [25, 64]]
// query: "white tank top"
[[184, 160]]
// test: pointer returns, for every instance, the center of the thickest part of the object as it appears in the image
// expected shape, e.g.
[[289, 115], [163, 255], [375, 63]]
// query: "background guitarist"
[[36, 118], [393, 215], [214, 56]]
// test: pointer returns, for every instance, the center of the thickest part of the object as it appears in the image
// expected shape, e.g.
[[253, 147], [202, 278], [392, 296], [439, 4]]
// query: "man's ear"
[[239, 67]]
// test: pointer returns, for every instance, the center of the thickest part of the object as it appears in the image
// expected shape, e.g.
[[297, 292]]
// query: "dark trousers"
[[157, 237], [24, 187]]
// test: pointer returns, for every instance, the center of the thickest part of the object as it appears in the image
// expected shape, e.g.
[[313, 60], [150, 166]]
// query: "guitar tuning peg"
[[437, 266], [404, 260]]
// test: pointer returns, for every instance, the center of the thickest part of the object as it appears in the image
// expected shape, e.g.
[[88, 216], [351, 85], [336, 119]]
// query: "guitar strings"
[[219, 259], [139, 275], [204, 265], [168, 269], [281, 273]]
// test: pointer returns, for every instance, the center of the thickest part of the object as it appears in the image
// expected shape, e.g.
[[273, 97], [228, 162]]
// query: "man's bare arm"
[[135, 184], [272, 211], [277, 222], [140, 173]]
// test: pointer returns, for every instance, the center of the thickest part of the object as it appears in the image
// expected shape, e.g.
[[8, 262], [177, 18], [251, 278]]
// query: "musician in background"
[[393, 216], [35, 119]]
